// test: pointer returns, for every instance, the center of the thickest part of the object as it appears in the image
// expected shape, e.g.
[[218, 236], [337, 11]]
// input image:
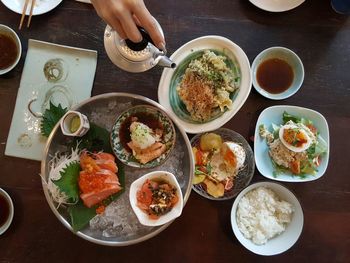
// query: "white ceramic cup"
[[11, 33]]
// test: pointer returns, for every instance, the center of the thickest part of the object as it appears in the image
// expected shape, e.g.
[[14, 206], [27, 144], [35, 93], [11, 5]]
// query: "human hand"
[[124, 16]]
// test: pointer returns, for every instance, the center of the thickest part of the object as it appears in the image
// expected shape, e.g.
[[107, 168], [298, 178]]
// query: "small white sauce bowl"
[[285, 240], [8, 222], [11, 33], [288, 56], [141, 215], [66, 121]]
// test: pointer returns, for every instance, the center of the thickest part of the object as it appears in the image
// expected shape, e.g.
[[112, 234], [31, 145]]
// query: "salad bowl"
[[272, 117]]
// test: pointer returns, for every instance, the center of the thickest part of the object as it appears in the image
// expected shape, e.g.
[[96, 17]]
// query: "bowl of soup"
[[10, 49], [278, 73]]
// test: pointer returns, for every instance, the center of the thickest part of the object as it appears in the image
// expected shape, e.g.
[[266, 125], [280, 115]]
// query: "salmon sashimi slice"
[[150, 153], [98, 179], [93, 198]]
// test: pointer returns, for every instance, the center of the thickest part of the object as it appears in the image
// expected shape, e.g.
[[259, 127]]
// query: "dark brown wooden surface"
[[203, 233]]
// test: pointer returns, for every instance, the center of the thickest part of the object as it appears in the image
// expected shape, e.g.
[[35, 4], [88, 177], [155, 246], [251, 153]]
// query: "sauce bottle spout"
[[164, 61]]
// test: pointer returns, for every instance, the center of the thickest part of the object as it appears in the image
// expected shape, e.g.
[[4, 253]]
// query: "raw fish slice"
[[93, 198], [148, 154]]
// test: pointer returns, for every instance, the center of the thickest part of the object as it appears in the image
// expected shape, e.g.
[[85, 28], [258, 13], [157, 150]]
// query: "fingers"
[[130, 28], [115, 24], [124, 16], [148, 22]]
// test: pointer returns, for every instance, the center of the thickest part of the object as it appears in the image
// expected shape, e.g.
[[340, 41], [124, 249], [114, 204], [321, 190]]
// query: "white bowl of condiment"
[[10, 49], [74, 123], [278, 73], [280, 242]]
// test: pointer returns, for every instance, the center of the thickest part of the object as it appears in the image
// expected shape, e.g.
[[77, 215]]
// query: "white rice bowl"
[[265, 221]]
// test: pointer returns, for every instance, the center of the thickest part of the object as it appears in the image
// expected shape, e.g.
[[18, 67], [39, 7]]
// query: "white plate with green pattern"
[[236, 60], [152, 117]]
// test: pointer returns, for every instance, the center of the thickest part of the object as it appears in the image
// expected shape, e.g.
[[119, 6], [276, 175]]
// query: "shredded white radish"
[[57, 164]]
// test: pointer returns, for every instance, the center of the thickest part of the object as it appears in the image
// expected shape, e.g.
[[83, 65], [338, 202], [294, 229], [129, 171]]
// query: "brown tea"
[[275, 75], [4, 210], [8, 51]]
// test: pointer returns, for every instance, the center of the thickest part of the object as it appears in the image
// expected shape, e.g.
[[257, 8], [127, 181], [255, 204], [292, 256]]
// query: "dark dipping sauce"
[[8, 51], [146, 118], [4, 210], [275, 75]]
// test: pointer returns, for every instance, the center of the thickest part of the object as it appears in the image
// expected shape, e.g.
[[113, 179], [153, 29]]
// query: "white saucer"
[[276, 5], [41, 6]]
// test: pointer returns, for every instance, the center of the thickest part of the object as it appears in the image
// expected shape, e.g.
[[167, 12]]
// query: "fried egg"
[[228, 161], [294, 137]]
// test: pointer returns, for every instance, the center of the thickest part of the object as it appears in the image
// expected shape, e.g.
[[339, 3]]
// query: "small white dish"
[[41, 6], [141, 215], [288, 56], [9, 219], [285, 240], [7, 31], [274, 115], [276, 5], [81, 128], [234, 53]]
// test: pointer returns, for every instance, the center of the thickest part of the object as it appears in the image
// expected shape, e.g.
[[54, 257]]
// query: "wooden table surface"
[[203, 233]]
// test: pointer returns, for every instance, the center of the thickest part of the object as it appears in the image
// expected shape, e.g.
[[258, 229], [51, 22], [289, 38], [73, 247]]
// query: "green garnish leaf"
[[68, 183], [288, 117], [81, 215], [95, 140], [51, 117]]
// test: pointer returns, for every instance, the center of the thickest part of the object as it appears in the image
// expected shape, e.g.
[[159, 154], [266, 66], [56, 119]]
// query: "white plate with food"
[[209, 86], [40, 7], [267, 218], [276, 5], [291, 144], [224, 164]]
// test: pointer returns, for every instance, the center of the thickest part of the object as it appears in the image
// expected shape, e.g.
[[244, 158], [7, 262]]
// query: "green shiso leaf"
[[81, 215], [51, 116], [68, 183], [95, 140]]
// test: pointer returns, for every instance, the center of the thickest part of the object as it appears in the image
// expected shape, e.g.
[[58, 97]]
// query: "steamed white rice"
[[261, 215]]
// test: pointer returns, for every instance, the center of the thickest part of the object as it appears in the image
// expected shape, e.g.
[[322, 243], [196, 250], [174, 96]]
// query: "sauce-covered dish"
[[156, 198], [143, 136]]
